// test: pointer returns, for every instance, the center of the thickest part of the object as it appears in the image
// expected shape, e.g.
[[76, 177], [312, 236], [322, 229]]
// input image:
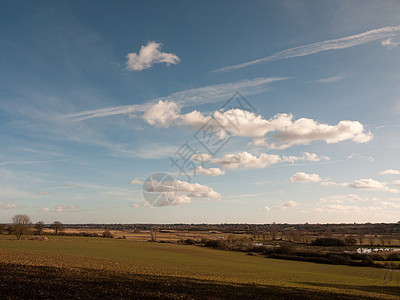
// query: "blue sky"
[[97, 95]]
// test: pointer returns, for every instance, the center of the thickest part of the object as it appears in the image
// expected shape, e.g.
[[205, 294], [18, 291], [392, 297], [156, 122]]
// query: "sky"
[[255, 112]]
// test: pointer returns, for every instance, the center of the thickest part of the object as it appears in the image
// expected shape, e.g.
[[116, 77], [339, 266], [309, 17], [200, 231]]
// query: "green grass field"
[[141, 269]]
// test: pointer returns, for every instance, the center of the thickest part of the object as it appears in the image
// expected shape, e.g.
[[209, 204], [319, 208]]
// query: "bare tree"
[[57, 226], [273, 231], [153, 233], [361, 237], [39, 226], [20, 225]]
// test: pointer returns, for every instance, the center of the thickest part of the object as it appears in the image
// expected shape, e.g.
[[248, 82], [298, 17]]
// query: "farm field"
[[94, 267]]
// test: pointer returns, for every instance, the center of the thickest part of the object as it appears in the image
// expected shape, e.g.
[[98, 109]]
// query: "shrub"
[[107, 234], [350, 241], [285, 249], [367, 261], [393, 256], [339, 259]]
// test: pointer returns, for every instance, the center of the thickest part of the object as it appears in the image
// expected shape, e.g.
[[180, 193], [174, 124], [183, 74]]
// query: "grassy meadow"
[[68, 266]]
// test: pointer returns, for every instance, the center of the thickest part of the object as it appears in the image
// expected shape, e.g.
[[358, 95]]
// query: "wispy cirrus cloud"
[[21, 162], [190, 97], [331, 79], [335, 44]]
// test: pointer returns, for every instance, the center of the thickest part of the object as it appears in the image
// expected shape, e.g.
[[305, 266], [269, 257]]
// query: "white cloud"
[[303, 131], [390, 172], [161, 114], [44, 209], [136, 181], [60, 208], [287, 205], [345, 198], [333, 199], [335, 44], [246, 160], [389, 43], [346, 209], [197, 190], [8, 205], [190, 97], [201, 157], [243, 123], [210, 171], [360, 157], [287, 132], [43, 193], [389, 204], [266, 208], [396, 182], [306, 157], [327, 182], [304, 177], [369, 183], [331, 79], [185, 191], [148, 56]]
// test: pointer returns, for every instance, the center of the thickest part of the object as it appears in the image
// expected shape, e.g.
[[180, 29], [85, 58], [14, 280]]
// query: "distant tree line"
[[21, 225]]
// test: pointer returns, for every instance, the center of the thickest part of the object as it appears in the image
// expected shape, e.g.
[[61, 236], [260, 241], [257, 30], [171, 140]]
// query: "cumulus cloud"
[[304, 177], [43, 193], [162, 114], [44, 209], [210, 171], [285, 132], [185, 191], [246, 160], [266, 208], [148, 56], [370, 183], [287, 205], [390, 172], [197, 190], [303, 131]]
